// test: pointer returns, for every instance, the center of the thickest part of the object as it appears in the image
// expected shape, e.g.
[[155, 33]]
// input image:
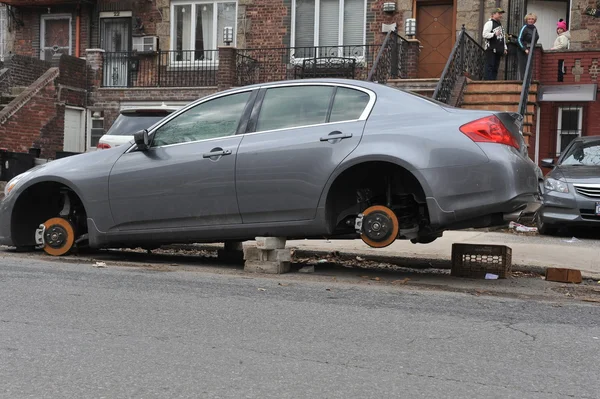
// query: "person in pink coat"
[[563, 38]]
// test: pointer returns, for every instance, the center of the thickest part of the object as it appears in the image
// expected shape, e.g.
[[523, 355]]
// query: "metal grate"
[[471, 260], [588, 190]]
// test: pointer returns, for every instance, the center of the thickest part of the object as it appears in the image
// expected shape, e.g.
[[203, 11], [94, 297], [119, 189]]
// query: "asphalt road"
[[75, 331]]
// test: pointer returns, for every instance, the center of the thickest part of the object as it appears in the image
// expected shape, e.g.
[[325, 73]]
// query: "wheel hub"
[[377, 226], [56, 236]]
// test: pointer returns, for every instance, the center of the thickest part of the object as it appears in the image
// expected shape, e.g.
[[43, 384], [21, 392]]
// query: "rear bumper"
[[505, 188]]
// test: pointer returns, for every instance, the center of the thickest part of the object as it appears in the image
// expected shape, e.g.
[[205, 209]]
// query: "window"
[[286, 107], [348, 104], [329, 23], [569, 126], [583, 153], [56, 35], [211, 119], [96, 128], [197, 28]]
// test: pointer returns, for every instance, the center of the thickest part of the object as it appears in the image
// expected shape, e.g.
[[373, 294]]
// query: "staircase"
[[425, 87], [7, 98], [502, 96]]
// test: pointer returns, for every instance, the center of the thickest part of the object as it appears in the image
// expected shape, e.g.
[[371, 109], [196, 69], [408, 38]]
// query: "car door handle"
[[336, 135], [216, 153]]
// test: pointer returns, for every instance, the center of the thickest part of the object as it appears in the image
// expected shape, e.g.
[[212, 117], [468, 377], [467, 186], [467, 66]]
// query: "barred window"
[[569, 126]]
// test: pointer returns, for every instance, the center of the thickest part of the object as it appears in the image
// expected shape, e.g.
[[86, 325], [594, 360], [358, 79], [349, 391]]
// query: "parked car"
[[131, 120], [572, 189], [297, 159]]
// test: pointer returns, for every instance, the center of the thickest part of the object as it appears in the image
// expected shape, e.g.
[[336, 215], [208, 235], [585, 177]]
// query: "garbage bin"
[[15, 163]]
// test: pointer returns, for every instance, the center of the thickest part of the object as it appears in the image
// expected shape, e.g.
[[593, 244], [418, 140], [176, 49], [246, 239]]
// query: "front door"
[[74, 138], [187, 178], [299, 140], [55, 35], [548, 13], [435, 31], [115, 39]]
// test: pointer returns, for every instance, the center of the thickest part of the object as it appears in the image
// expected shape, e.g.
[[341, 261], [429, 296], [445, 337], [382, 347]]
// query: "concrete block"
[[272, 255], [255, 266], [251, 253], [270, 242], [563, 275]]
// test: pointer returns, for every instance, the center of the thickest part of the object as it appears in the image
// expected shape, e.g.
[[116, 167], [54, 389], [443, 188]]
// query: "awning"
[[561, 93]]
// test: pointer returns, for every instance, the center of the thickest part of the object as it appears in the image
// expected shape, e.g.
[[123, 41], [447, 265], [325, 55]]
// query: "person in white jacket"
[[495, 44], [563, 38]]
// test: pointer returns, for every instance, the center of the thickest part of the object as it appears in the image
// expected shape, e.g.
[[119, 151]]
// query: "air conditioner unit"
[[145, 44]]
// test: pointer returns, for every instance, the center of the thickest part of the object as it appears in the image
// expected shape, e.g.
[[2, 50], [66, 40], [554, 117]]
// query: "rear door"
[[298, 135]]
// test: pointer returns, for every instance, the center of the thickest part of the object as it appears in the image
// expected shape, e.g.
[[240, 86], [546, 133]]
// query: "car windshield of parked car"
[[128, 124], [583, 154]]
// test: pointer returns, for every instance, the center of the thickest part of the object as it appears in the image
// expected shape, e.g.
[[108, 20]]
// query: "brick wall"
[[25, 70], [585, 64]]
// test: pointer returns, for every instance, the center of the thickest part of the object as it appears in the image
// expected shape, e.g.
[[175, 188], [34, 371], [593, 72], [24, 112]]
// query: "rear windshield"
[[128, 124]]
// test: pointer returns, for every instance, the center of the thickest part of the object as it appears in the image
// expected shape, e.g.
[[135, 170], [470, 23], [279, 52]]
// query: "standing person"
[[526, 42], [563, 38], [495, 44]]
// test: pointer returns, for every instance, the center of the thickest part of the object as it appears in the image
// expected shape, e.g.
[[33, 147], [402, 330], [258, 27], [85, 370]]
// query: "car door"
[[187, 176], [299, 134]]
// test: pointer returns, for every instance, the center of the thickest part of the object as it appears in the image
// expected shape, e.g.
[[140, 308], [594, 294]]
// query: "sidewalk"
[[529, 252]]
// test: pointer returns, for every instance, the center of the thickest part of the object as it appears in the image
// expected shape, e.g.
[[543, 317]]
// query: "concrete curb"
[[402, 261]]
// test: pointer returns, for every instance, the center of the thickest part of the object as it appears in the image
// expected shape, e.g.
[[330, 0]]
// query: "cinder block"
[[255, 266], [270, 242], [251, 253], [272, 255], [563, 275]]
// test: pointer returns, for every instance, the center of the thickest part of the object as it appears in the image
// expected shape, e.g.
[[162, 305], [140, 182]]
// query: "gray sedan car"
[[311, 158], [572, 188]]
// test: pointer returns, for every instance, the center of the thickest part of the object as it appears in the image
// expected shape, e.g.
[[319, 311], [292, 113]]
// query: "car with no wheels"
[[296, 159]]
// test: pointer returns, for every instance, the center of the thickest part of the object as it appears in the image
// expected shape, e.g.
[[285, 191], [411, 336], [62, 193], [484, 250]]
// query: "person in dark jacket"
[[495, 44], [526, 42]]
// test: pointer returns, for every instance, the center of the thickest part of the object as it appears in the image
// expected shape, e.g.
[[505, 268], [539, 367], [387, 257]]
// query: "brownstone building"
[[174, 51]]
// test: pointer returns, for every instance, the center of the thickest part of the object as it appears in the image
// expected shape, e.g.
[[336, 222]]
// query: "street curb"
[[397, 260]]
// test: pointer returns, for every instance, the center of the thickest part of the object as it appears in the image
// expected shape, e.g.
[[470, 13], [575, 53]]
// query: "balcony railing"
[[285, 63], [186, 68]]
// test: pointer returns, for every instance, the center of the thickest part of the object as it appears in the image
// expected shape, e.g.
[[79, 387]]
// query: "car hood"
[[578, 174]]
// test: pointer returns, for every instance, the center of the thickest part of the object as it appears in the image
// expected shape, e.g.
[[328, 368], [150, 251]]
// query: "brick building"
[[174, 51]]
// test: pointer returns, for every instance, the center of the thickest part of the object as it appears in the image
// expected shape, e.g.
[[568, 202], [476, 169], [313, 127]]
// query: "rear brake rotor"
[[379, 226], [59, 236]]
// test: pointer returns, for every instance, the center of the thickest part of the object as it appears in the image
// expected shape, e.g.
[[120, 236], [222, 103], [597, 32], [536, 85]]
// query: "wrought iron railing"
[[285, 63], [528, 76], [466, 60], [391, 59], [185, 68]]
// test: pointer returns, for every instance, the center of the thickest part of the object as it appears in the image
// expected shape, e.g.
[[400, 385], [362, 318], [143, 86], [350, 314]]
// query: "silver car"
[[572, 188], [296, 159]]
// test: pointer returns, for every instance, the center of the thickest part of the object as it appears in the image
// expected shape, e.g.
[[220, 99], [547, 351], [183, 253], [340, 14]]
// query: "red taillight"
[[103, 146], [489, 130]]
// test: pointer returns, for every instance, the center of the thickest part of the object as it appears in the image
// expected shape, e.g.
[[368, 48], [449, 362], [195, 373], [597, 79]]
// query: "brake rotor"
[[59, 236], [379, 226]]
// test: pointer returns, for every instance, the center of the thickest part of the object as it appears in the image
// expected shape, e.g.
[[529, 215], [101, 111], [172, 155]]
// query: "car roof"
[[588, 138], [376, 87], [145, 109]]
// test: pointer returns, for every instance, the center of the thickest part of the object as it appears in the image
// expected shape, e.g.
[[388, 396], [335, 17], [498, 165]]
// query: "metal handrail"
[[379, 56], [527, 78], [467, 56]]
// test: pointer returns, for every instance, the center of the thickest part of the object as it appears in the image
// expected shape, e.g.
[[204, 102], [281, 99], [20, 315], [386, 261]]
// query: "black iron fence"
[[467, 59], [391, 61], [285, 63], [186, 68]]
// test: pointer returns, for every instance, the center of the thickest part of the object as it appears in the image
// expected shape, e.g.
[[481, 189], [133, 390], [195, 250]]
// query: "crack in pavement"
[[510, 326]]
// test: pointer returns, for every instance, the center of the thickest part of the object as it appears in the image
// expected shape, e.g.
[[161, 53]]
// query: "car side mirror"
[[141, 140], [548, 163]]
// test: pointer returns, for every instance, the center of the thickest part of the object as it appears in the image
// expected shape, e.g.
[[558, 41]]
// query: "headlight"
[[551, 184], [14, 181]]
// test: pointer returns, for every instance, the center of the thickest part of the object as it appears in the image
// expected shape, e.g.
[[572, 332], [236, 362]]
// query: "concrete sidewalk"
[[528, 251]]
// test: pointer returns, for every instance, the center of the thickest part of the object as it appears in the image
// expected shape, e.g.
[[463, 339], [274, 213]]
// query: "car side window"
[[214, 118], [285, 107], [348, 104]]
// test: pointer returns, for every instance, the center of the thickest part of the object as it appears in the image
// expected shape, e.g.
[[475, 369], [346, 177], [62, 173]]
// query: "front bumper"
[[6, 207], [569, 209]]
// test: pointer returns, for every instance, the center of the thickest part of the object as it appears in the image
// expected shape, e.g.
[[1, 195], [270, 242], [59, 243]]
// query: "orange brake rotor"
[[59, 236], [380, 226]]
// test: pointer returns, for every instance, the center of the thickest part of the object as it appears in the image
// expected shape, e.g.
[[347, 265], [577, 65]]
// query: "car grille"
[[590, 191], [589, 214]]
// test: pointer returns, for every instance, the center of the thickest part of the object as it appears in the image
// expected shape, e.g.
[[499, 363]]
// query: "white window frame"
[[194, 3], [559, 124], [316, 28], [46, 17]]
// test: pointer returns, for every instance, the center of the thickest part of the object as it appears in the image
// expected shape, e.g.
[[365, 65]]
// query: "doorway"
[[115, 39], [548, 13], [435, 30]]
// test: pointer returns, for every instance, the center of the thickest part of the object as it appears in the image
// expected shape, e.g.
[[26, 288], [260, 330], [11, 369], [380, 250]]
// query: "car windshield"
[[583, 153], [128, 124]]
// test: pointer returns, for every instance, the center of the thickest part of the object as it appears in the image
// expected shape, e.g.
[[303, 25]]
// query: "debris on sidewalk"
[[522, 228], [403, 281], [100, 265], [572, 240], [307, 269], [491, 276], [563, 275]]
